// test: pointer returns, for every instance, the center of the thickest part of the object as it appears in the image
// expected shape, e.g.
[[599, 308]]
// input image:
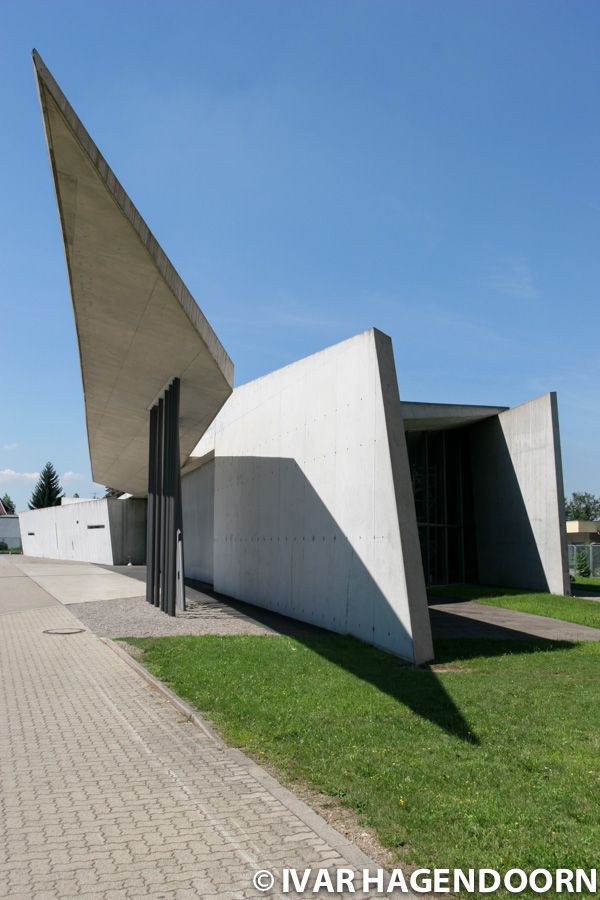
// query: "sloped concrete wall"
[[313, 507], [518, 498], [198, 507]]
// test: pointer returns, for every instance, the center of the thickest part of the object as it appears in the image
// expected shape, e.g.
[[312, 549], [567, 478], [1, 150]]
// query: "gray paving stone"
[[105, 792]]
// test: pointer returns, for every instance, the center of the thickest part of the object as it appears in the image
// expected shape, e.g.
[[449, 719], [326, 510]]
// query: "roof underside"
[[138, 326], [437, 416]]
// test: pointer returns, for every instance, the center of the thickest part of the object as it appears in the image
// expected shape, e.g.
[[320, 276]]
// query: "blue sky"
[[312, 169]]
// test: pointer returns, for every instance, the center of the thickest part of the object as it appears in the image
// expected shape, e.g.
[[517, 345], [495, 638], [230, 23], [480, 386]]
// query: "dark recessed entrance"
[[441, 480]]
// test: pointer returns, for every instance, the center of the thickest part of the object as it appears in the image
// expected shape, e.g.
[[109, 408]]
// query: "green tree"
[[582, 506], [582, 566], [47, 491], [8, 505]]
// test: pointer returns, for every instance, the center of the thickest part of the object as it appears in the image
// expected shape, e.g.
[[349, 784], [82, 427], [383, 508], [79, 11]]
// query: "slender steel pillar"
[[151, 509], [159, 504], [164, 576]]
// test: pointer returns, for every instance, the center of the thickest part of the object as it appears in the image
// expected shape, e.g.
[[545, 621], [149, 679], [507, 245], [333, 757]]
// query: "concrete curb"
[[298, 807], [183, 707]]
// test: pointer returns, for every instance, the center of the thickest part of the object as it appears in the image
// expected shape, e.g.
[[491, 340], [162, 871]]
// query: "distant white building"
[[9, 530], [583, 532]]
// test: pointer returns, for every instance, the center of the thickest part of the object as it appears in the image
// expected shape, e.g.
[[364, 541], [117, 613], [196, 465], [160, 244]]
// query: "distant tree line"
[[583, 507]]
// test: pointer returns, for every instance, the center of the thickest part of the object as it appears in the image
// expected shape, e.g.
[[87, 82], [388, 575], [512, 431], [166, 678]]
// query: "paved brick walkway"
[[107, 791]]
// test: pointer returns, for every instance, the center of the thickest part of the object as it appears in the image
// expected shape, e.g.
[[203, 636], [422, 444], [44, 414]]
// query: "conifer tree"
[[582, 565], [48, 491], [8, 505]]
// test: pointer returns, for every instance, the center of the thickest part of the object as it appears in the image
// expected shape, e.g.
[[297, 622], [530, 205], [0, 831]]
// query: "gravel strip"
[[133, 617]]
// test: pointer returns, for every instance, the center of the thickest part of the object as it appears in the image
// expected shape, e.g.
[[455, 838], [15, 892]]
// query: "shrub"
[[582, 566]]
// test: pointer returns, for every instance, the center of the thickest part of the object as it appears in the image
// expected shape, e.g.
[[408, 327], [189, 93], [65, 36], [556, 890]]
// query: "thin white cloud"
[[12, 446], [514, 278], [71, 476], [9, 475]]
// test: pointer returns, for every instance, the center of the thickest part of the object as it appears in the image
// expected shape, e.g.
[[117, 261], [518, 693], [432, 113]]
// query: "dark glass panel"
[[436, 505]]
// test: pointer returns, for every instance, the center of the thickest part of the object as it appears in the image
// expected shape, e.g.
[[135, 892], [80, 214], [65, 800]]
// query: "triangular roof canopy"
[[137, 324]]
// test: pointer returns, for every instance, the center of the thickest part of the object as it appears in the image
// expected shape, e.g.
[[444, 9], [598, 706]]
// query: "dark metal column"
[[151, 509], [169, 583], [158, 558], [164, 578], [178, 515]]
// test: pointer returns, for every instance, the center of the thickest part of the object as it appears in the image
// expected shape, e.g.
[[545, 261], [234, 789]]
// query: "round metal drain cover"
[[63, 630]]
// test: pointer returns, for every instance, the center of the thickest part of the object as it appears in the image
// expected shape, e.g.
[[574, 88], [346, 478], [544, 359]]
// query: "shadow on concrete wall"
[[284, 557], [277, 545], [507, 551]]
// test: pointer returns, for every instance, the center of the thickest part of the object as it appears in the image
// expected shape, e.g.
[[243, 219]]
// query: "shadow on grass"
[[419, 689], [459, 593], [580, 590], [446, 624], [448, 650]]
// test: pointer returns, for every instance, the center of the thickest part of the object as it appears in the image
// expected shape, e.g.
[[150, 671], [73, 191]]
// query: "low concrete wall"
[[9, 531], [313, 507], [518, 498], [98, 531]]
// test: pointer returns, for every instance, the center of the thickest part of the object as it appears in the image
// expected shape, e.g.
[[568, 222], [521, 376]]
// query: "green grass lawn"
[[569, 609], [494, 761]]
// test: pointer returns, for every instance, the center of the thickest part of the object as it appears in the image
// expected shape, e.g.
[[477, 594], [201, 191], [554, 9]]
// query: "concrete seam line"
[[298, 807]]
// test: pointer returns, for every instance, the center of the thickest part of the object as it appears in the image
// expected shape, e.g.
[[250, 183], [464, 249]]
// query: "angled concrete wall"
[[109, 532], [518, 498], [313, 507]]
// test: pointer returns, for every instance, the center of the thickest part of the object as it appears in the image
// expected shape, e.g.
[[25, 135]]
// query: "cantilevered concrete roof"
[[435, 416], [137, 324]]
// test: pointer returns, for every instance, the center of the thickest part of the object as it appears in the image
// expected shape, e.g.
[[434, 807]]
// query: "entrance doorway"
[[441, 481]]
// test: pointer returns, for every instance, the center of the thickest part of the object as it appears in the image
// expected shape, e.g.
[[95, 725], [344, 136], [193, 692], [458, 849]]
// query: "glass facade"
[[440, 472]]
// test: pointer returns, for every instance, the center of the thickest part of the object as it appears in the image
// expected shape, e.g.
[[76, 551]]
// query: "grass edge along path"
[[577, 610], [488, 759]]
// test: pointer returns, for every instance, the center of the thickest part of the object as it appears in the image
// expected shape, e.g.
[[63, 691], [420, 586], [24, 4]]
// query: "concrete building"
[[109, 531], [314, 491], [583, 532], [9, 531]]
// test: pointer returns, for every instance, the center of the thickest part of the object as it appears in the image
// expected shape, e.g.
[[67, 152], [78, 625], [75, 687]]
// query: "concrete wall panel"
[[518, 498], [108, 531], [313, 508], [198, 502], [78, 531], [127, 530]]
